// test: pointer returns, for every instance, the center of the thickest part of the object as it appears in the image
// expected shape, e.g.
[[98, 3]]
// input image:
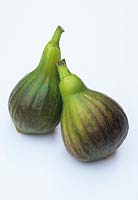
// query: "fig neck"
[[62, 69], [51, 53], [70, 84], [56, 36]]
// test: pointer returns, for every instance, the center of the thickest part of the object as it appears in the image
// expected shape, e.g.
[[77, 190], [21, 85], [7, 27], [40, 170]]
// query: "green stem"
[[56, 37], [62, 69]]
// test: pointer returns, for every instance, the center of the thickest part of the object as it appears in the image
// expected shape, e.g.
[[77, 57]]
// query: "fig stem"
[[56, 37], [62, 69]]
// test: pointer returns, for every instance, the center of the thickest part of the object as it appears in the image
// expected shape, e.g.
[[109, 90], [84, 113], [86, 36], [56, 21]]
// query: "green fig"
[[93, 125], [35, 103]]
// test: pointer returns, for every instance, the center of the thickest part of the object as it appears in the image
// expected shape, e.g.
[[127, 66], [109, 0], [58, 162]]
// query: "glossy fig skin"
[[35, 103], [93, 125]]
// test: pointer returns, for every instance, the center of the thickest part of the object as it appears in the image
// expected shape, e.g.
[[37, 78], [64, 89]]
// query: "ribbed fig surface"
[[35, 102], [93, 125]]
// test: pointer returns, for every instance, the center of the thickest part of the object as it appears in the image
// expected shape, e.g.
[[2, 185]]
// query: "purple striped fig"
[[35, 103], [93, 125]]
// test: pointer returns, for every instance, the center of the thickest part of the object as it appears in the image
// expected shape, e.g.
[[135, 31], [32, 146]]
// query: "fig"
[[35, 103], [93, 125]]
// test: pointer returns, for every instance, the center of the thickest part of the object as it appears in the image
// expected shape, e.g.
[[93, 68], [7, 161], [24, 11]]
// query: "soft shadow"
[[113, 157], [109, 158]]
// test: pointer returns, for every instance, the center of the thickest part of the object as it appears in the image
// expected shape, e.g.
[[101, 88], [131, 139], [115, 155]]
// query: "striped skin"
[[93, 125], [35, 103]]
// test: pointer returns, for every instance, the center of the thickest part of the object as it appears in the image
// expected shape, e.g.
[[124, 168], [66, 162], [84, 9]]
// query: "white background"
[[100, 45]]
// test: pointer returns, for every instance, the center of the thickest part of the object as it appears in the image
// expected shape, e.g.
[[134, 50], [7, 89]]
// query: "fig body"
[[93, 125], [35, 103]]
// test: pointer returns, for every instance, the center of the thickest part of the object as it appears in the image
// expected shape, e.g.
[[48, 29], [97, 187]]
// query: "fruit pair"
[[93, 125]]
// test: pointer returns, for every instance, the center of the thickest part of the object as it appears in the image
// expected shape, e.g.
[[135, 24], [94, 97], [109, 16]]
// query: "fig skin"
[[93, 125], [35, 103]]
